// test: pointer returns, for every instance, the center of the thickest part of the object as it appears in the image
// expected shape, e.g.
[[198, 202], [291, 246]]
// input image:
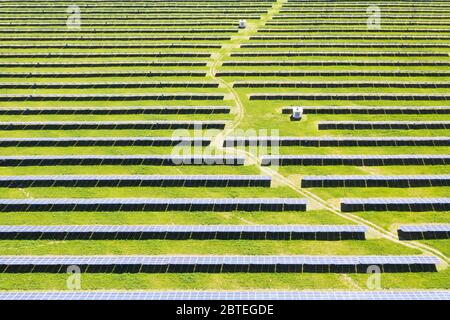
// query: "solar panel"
[[112, 125], [336, 141], [371, 110], [100, 85], [90, 160], [135, 180], [382, 125], [400, 181], [424, 232], [110, 97], [183, 232], [154, 204], [163, 264], [101, 141], [359, 96], [355, 160], [330, 74], [117, 110], [334, 84], [228, 295], [395, 204]]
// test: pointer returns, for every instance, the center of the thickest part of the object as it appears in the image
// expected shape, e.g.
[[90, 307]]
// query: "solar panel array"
[[163, 66], [389, 295], [336, 141], [216, 264], [355, 160], [101, 141], [109, 97], [118, 110], [154, 204], [395, 204], [128, 160], [337, 181], [371, 110], [383, 125], [179, 232], [135, 181], [112, 125]]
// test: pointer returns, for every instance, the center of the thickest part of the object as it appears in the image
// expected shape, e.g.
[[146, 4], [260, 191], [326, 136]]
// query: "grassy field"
[[247, 117]]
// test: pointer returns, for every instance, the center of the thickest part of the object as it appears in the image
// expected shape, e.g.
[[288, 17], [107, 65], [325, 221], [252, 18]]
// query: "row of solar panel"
[[135, 181], [337, 54], [424, 232], [142, 4], [290, 10], [382, 125], [113, 23], [151, 12], [343, 84], [335, 141], [356, 22], [104, 142], [171, 4], [348, 30], [154, 204], [129, 38], [375, 181], [390, 295], [106, 55], [110, 97], [217, 264], [118, 110], [333, 63], [355, 160], [102, 64], [308, 160], [328, 37], [395, 204], [345, 96], [333, 45], [369, 110], [125, 160], [146, 18], [117, 30], [360, 16], [311, 74], [175, 232], [112, 46], [112, 125], [97, 85], [102, 74]]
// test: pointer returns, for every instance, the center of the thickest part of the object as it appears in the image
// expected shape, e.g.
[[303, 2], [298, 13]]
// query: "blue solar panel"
[[219, 260], [135, 180], [154, 204], [425, 228], [355, 160], [395, 204], [229, 295]]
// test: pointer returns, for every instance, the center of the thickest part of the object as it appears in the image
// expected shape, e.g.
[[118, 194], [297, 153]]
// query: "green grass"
[[202, 247], [169, 218], [258, 115]]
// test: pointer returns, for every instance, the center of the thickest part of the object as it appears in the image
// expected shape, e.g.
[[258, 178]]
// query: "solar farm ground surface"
[[215, 24]]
